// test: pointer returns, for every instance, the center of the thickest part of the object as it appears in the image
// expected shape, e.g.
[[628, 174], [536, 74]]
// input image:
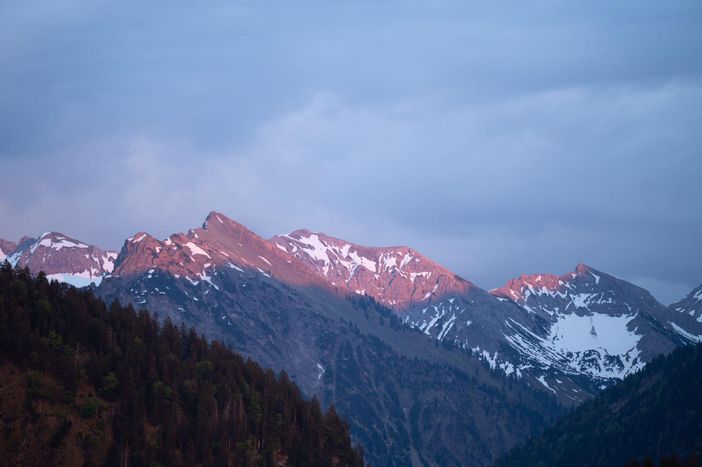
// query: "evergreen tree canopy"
[[653, 416], [82, 383]]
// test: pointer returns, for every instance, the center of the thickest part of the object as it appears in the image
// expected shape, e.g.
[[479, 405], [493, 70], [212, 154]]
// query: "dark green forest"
[[653, 417], [82, 383]]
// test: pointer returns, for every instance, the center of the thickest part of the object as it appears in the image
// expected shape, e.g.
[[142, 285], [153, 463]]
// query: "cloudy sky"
[[497, 137]]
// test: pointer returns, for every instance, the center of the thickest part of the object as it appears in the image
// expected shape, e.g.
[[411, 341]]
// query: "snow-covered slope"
[[587, 323], [63, 258]]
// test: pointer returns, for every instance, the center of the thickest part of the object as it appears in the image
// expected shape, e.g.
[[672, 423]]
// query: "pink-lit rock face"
[[520, 289], [220, 243], [394, 276], [6, 248], [63, 258]]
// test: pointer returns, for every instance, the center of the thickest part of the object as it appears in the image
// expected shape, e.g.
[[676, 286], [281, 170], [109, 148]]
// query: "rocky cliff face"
[[6, 248], [63, 258], [686, 315], [396, 276]]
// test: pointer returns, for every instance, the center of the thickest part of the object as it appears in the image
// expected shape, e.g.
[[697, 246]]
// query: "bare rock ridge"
[[198, 254], [6, 248], [61, 258], [394, 276], [690, 305]]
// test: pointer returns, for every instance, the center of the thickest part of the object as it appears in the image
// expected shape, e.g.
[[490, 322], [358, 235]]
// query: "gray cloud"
[[497, 139]]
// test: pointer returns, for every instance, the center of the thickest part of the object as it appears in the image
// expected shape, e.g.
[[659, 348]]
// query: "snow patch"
[[573, 333], [321, 370], [542, 380], [196, 250], [687, 335], [79, 280]]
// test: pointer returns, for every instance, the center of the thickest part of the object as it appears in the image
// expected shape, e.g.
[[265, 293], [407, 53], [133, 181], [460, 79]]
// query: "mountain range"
[[427, 367]]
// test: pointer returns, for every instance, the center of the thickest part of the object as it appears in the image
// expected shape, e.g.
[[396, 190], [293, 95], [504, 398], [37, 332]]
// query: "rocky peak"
[[582, 279], [395, 276], [6, 248], [202, 253], [140, 245], [219, 224], [24, 242], [63, 258], [691, 305]]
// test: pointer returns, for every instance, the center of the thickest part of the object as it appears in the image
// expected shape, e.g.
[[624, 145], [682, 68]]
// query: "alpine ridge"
[[372, 330], [542, 328], [689, 306], [60, 257]]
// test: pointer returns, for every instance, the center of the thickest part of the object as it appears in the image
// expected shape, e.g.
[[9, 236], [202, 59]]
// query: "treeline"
[[117, 388], [653, 417]]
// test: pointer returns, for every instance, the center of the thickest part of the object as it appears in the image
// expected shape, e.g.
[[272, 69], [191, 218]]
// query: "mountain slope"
[[596, 324], [686, 310], [84, 384], [570, 335], [63, 258], [654, 413], [6, 248], [408, 400]]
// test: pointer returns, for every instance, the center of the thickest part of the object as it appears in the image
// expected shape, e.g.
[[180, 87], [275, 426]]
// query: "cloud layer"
[[496, 139]]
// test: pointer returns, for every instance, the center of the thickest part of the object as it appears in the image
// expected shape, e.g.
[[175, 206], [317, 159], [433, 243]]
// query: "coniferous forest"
[[82, 383], [652, 418]]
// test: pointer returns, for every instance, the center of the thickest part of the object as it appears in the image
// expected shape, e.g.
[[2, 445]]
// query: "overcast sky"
[[497, 137]]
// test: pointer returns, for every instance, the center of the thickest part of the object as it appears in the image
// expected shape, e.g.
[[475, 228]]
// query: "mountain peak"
[[519, 289], [63, 258], [6, 248], [57, 241], [583, 269], [215, 216], [140, 237], [690, 305], [395, 276], [216, 221], [25, 241], [299, 233]]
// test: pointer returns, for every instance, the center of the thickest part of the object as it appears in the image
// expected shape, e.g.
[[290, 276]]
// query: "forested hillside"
[[653, 417], [86, 384]]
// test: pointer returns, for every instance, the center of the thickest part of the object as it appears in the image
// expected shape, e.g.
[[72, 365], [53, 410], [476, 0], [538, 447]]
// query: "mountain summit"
[[62, 258], [394, 276]]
